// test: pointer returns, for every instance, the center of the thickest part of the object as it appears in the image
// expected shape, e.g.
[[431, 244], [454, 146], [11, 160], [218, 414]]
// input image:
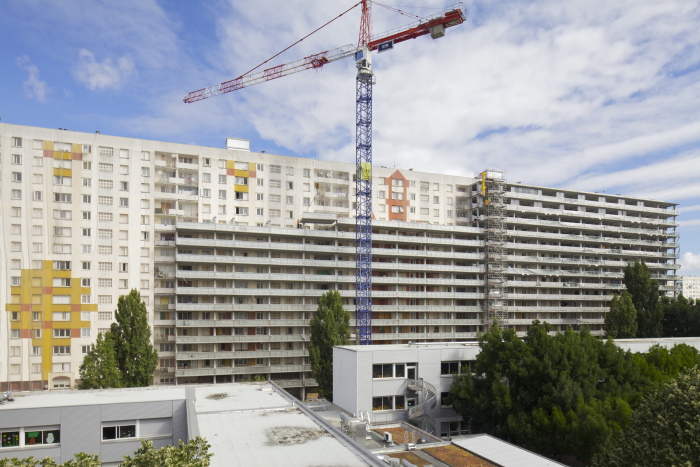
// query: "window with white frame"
[[389, 403], [84, 316], [118, 432], [61, 349]]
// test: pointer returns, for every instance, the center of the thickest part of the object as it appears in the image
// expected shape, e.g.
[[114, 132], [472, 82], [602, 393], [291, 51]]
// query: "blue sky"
[[594, 95]]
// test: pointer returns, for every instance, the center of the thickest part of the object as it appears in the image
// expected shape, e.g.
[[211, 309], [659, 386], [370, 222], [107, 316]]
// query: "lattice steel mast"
[[493, 188]]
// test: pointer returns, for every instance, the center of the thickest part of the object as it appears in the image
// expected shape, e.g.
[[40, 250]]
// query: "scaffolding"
[[493, 190]]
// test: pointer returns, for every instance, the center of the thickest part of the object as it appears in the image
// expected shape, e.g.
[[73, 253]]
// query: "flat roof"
[[417, 345], [67, 398], [502, 453], [260, 425]]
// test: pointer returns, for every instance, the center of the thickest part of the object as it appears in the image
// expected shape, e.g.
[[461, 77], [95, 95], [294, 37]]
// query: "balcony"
[[242, 338], [240, 354], [243, 370]]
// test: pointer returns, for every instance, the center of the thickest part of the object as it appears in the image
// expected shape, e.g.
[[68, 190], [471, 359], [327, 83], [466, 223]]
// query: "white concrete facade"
[[690, 286], [108, 223]]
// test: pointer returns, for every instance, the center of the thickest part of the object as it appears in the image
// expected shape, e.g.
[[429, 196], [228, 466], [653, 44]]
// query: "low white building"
[[402, 382]]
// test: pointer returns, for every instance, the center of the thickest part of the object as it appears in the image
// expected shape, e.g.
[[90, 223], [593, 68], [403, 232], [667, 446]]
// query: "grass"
[[399, 435], [457, 457], [410, 457]]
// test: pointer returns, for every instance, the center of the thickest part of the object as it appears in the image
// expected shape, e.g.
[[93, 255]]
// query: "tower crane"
[[435, 25]]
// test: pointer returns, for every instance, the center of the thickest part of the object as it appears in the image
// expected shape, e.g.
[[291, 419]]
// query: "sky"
[[591, 95]]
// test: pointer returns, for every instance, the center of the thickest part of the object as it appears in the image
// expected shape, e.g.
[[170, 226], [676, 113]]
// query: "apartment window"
[[145, 252], [241, 211], [37, 230], [382, 208], [123, 283], [107, 152], [207, 162], [290, 214], [61, 349], [449, 214], [145, 220], [436, 212], [222, 178], [383, 371], [260, 211], [144, 267], [61, 248], [118, 432], [87, 199], [104, 266], [15, 351], [397, 209], [87, 165], [16, 229], [17, 159], [86, 265], [104, 299], [381, 194], [275, 213], [123, 251], [260, 196], [436, 186], [123, 218], [389, 403], [123, 170], [123, 267], [37, 213], [424, 211], [87, 249], [16, 194], [206, 193], [145, 172], [36, 350], [145, 235], [222, 164], [103, 167], [61, 333], [38, 162], [222, 194], [290, 199], [37, 178], [105, 200], [145, 155], [61, 265], [290, 185], [87, 232], [449, 368], [124, 202], [144, 284], [449, 201], [307, 201], [16, 212], [87, 182], [85, 349], [85, 332], [124, 186], [84, 316], [17, 176], [222, 209], [259, 182], [16, 281], [108, 184], [15, 334]]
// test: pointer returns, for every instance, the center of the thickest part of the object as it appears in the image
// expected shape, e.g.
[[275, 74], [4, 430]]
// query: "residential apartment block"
[[690, 286], [231, 249]]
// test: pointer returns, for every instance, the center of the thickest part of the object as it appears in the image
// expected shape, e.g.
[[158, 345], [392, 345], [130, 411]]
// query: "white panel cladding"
[[80, 430], [116, 450], [467, 353], [153, 427], [364, 381], [37, 453], [389, 387], [141, 410], [30, 417], [395, 356], [179, 421], [429, 364], [345, 379]]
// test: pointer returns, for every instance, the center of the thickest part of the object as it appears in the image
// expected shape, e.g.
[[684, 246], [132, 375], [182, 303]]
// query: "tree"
[[81, 460], [193, 454], [330, 327], [563, 394], [645, 297], [621, 321], [99, 367], [664, 430], [680, 317], [131, 338]]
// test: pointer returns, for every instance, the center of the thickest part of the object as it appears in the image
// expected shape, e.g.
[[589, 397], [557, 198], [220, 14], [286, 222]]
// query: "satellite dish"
[[160, 172]]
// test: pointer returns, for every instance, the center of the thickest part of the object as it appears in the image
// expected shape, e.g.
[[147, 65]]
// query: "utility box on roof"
[[238, 144]]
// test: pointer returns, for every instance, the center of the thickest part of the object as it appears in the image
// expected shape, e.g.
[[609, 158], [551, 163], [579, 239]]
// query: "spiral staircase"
[[418, 415]]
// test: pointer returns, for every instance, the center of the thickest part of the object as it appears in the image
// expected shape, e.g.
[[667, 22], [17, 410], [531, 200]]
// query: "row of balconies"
[[606, 205], [589, 238], [310, 308], [659, 232], [282, 323], [243, 370], [593, 215], [240, 354], [318, 292]]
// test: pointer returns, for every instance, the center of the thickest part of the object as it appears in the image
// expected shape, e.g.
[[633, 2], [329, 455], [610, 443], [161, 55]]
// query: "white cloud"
[[108, 74], [34, 88], [690, 262]]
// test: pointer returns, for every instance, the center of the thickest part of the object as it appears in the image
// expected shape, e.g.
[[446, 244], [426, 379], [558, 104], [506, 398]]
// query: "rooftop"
[[502, 453], [410, 346]]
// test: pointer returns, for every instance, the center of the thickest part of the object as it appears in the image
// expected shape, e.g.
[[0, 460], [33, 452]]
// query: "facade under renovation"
[[231, 249]]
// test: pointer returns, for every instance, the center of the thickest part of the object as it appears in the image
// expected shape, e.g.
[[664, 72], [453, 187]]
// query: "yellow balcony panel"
[[230, 164], [241, 173], [58, 172], [251, 166], [242, 188]]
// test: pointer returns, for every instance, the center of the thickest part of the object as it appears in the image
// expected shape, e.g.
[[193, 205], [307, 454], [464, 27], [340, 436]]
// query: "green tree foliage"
[[681, 317], [99, 367], [645, 297], [664, 430], [81, 460], [330, 327], [131, 337], [193, 454], [563, 394], [621, 321]]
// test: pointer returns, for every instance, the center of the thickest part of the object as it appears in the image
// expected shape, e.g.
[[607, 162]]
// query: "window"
[[124, 202], [397, 209], [383, 371], [222, 178], [123, 219], [123, 251], [222, 209], [84, 349], [123, 283], [38, 162], [36, 316], [86, 265], [37, 213], [260, 212], [42, 437], [61, 265], [207, 162], [84, 332], [424, 211], [84, 316], [124, 153], [145, 155], [61, 249], [449, 368], [145, 220], [275, 213], [60, 367], [61, 333], [383, 403], [241, 211], [87, 165], [87, 232], [449, 201], [87, 199], [16, 194], [16, 212], [108, 168], [14, 351], [118, 432], [87, 182], [17, 176], [144, 284], [259, 182], [145, 172], [105, 200], [206, 193], [396, 195], [86, 298], [124, 186], [222, 194], [16, 281], [17, 159], [449, 213], [15, 246], [290, 185], [436, 200], [61, 349], [37, 230], [275, 183], [145, 251], [436, 212], [260, 196], [36, 350]]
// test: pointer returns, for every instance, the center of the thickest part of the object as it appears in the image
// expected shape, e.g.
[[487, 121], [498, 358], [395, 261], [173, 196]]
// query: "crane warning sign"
[[366, 172]]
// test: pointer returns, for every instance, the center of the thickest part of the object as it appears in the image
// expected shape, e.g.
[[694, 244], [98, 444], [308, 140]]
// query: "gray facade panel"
[[80, 430], [30, 417], [38, 453], [156, 427], [345, 376], [116, 450], [395, 356], [161, 409], [179, 421], [389, 387], [364, 381]]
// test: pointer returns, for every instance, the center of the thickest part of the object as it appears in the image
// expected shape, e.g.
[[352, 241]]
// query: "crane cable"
[[315, 30]]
